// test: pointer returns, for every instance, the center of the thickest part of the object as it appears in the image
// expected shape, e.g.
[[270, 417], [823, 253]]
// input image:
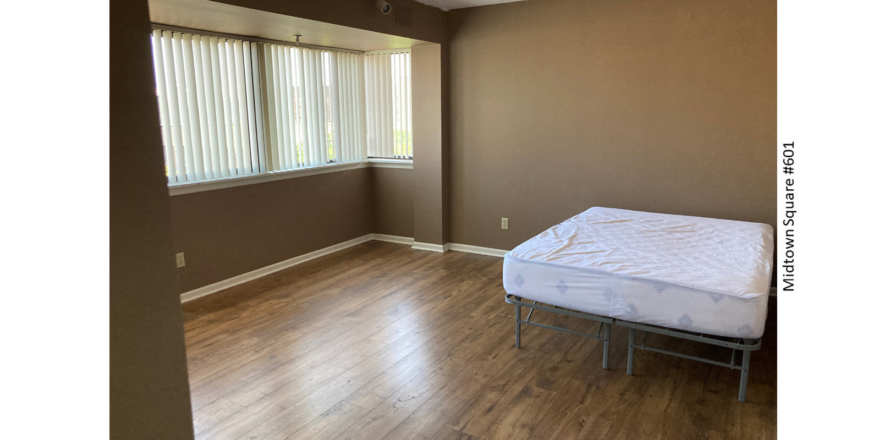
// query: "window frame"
[[188, 187]]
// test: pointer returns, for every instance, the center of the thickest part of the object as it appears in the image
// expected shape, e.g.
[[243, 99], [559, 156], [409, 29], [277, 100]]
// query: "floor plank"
[[383, 342]]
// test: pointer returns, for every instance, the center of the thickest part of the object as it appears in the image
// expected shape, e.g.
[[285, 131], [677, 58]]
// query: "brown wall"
[[393, 197], [149, 391], [429, 23], [228, 232], [666, 107], [428, 143], [560, 105]]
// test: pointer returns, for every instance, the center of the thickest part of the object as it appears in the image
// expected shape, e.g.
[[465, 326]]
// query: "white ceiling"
[[458, 4], [218, 17]]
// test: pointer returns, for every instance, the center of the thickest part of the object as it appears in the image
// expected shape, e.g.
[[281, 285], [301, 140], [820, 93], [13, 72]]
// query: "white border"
[[379, 162], [254, 274], [176, 189], [477, 250], [419, 246], [393, 239]]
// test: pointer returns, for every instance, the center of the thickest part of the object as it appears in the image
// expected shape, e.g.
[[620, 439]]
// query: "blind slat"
[[173, 106], [283, 95], [395, 98], [247, 66], [302, 115], [210, 106], [192, 108], [361, 109], [334, 89], [201, 108], [243, 149], [271, 134], [314, 71], [389, 106], [221, 108], [344, 110], [162, 95], [351, 139], [409, 105], [223, 67], [258, 106], [311, 104], [376, 109], [320, 101], [231, 97], [183, 107]]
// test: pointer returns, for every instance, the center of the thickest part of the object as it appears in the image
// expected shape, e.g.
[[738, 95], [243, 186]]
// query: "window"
[[208, 108], [231, 107], [315, 107], [389, 104]]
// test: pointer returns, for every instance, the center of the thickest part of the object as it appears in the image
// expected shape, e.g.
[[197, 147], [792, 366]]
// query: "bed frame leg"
[[744, 376], [629, 353], [518, 317], [607, 344]]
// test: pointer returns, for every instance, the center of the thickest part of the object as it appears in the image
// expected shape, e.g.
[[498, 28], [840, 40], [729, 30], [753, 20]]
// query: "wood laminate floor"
[[383, 342]]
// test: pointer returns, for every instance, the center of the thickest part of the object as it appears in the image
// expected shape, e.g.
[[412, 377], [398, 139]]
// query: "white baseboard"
[[440, 248], [252, 275], [263, 271], [477, 250], [430, 247], [392, 239]]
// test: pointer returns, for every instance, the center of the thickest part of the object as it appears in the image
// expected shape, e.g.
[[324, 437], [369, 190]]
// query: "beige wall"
[[228, 232], [393, 198], [149, 391], [560, 105]]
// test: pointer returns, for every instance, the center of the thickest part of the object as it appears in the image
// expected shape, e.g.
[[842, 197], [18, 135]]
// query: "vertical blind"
[[209, 112], [389, 105], [314, 105], [230, 107]]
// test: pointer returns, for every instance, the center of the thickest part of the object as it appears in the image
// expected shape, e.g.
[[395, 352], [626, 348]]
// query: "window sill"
[[381, 162], [176, 189]]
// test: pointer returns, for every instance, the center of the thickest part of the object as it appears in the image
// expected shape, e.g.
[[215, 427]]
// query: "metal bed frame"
[[746, 346], [605, 322]]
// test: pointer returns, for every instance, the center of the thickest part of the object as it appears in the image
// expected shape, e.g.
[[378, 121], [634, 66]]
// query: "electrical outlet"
[[503, 223], [180, 260]]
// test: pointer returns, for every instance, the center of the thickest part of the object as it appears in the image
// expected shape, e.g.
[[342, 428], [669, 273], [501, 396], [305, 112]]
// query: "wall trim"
[[402, 164], [477, 250], [254, 274], [263, 271], [430, 247], [176, 189], [393, 239]]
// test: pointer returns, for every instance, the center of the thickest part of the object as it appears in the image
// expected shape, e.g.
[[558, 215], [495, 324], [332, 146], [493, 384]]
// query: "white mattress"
[[691, 273]]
